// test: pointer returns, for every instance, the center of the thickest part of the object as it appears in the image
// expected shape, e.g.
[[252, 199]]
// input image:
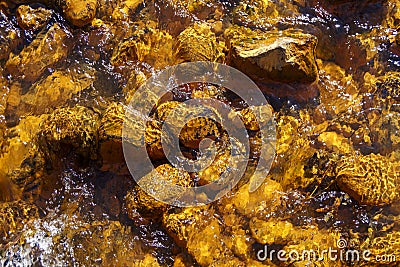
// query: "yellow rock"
[[13, 218], [69, 129], [21, 144], [293, 149], [79, 12], [266, 199], [55, 90], [372, 179], [271, 232], [42, 53], [335, 142], [198, 43], [285, 56], [32, 18], [338, 92], [157, 182], [125, 9], [152, 46]]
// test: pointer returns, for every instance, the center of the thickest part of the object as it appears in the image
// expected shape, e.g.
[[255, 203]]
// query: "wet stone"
[[14, 216], [44, 52], [79, 12], [198, 43], [69, 129], [110, 137], [372, 179], [285, 56], [32, 18], [153, 46], [10, 36], [156, 182], [55, 90]]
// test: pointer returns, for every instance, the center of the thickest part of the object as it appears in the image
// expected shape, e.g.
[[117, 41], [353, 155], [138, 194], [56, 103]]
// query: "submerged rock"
[[69, 130], [32, 18], [263, 14], [79, 12], [198, 43], [55, 90], [10, 36], [42, 53], [149, 45], [285, 56], [13, 218], [339, 93], [372, 179], [110, 137], [204, 236], [382, 108], [385, 246], [21, 163], [157, 182]]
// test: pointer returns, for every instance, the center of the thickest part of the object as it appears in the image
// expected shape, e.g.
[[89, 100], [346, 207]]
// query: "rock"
[[4, 91], [55, 90], [148, 45], [382, 92], [21, 139], [108, 242], [372, 179], [110, 134], [271, 232], [284, 56], [10, 36], [69, 130], [386, 245], [191, 124], [263, 14], [21, 163], [177, 15], [44, 52], [335, 142], [198, 43], [139, 200], [382, 110], [339, 93], [296, 238], [293, 149], [209, 249], [79, 12], [203, 234], [32, 19], [13, 218], [219, 165], [124, 9]]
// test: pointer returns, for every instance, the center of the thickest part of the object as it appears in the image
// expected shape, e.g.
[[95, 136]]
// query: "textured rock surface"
[[149, 45], [14, 215], [279, 56], [69, 129], [55, 90], [156, 181], [372, 179], [42, 53], [79, 12], [10, 36], [32, 18], [198, 43]]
